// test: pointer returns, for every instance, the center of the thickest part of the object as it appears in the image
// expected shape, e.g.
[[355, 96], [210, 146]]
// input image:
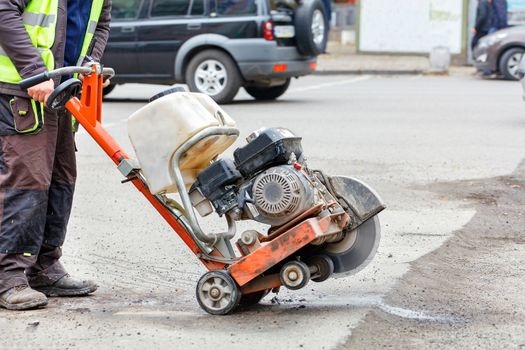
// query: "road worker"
[[37, 149]]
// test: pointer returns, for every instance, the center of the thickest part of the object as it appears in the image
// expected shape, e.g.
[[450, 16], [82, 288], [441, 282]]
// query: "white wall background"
[[516, 12], [410, 25]]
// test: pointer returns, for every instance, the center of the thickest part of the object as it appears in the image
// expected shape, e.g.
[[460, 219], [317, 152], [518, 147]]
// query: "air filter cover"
[[282, 193]]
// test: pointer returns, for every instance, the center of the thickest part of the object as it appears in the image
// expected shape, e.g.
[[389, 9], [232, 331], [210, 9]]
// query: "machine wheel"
[[311, 27], [295, 275], [323, 265], [214, 73], [217, 293], [357, 248], [267, 93], [108, 89], [509, 63], [253, 298]]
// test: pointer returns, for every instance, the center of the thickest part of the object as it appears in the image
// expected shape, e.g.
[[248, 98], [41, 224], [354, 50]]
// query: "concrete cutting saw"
[[310, 226]]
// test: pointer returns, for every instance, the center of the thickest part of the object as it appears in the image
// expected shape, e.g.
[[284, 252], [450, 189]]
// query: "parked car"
[[501, 52], [521, 75], [216, 46]]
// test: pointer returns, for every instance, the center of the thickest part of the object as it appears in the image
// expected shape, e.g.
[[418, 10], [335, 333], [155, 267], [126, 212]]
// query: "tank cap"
[[255, 134], [174, 89]]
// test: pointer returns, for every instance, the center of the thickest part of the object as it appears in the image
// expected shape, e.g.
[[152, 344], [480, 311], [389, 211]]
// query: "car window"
[[125, 9], [197, 7], [165, 8], [233, 7]]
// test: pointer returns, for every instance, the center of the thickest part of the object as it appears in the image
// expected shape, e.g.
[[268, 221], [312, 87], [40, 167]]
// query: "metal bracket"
[[128, 166], [199, 235]]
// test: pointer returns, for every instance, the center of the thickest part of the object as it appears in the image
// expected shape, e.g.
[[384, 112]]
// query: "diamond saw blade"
[[356, 250]]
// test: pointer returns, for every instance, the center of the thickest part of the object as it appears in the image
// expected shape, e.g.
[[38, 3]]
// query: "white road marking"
[[415, 315], [331, 84], [301, 89]]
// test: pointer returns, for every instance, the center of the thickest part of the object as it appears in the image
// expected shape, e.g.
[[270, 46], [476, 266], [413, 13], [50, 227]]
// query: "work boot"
[[22, 298], [66, 287]]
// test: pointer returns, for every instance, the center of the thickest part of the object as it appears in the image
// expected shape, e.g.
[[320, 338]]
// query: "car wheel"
[[108, 89], [214, 73], [509, 63], [265, 93], [311, 27]]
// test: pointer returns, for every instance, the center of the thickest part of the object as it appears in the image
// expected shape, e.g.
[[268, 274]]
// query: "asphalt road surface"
[[443, 152]]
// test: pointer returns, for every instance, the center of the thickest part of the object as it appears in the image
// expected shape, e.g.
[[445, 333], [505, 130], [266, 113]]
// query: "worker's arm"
[[15, 41], [101, 33]]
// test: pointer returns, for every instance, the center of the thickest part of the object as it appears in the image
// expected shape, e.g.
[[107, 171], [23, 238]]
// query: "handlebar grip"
[[108, 73], [34, 80]]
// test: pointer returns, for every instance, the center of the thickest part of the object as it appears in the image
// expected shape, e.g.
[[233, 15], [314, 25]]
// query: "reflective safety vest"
[[40, 19]]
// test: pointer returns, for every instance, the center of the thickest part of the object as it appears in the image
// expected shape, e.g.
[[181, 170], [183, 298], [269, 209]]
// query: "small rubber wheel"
[[509, 63], [108, 89], [324, 266], [311, 28], [295, 275], [264, 93], [214, 73], [217, 293], [253, 298]]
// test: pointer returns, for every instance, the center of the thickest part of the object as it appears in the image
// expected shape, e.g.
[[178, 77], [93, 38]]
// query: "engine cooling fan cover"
[[282, 192]]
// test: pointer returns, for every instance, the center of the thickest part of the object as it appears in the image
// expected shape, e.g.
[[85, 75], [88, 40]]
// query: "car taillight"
[[268, 30], [280, 67]]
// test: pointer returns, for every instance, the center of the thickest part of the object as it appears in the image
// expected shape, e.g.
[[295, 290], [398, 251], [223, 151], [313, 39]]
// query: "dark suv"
[[216, 46]]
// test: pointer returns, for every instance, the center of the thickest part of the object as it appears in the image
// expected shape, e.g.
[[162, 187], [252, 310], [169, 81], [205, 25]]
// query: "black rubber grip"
[[35, 80]]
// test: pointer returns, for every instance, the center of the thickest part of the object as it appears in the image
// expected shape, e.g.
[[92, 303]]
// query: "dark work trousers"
[[475, 39], [37, 181]]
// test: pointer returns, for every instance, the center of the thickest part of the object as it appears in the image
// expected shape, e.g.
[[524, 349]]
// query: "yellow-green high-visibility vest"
[[40, 19]]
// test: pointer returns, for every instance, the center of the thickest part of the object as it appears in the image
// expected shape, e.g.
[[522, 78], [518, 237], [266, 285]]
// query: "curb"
[[370, 72]]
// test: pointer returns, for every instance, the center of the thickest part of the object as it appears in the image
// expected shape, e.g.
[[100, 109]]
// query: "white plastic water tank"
[[158, 129]]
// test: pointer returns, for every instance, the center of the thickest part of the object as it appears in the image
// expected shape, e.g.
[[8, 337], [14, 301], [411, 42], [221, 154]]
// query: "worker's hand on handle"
[[90, 64], [105, 83], [41, 92]]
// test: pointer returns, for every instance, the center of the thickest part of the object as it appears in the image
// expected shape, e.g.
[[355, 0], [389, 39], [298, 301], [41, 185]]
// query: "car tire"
[[224, 79], [264, 93], [509, 63], [108, 89], [311, 28]]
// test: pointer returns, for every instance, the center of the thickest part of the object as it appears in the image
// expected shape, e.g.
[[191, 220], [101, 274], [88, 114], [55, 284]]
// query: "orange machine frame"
[[88, 112], [249, 270]]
